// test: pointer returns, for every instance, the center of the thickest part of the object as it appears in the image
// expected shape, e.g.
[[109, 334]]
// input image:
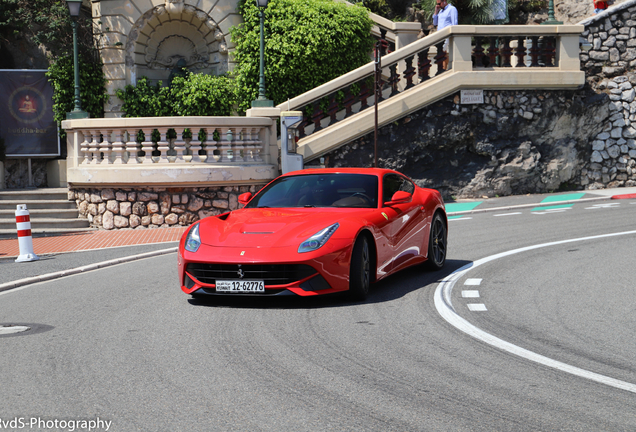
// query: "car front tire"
[[360, 271], [437, 243]]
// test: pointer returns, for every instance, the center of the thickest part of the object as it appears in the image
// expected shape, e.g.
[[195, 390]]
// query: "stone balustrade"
[[169, 151]]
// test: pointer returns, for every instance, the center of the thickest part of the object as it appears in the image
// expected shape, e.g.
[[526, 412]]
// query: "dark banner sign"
[[26, 114]]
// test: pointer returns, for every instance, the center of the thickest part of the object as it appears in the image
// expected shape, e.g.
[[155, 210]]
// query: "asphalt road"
[[125, 345]]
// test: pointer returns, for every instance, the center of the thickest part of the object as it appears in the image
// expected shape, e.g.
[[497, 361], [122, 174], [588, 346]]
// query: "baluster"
[[210, 145], [248, 144], [365, 92], [440, 58], [105, 147], [163, 145], [384, 44], [409, 72], [317, 116], [225, 144], [195, 146], [549, 51], [147, 146], [132, 147], [493, 51], [423, 65], [238, 148], [521, 51], [394, 79], [333, 109], [118, 148], [86, 147], [534, 51], [301, 127], [478, 52], [179, 146], [258, 144], [506, 52], [348, 101]]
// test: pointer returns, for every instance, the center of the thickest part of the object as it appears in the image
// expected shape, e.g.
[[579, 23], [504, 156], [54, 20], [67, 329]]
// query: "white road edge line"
[[445, 308]]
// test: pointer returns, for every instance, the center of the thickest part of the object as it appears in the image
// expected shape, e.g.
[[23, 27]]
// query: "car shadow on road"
[[391, 288]]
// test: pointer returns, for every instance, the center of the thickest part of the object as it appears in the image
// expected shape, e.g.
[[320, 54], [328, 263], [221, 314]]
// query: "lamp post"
[[77, 113], [262, 100], [551, 20]]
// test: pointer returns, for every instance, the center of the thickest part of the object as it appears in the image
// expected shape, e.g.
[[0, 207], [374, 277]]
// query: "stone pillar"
[[269, 137]]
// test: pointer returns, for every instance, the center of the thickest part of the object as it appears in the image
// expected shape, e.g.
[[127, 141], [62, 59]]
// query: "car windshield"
[[319, 190]]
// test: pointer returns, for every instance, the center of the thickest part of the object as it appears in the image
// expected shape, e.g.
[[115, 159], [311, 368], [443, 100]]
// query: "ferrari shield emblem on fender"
[[385, 216], [242, 253]]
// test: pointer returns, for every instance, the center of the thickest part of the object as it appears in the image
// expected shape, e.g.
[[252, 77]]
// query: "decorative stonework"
[[148, 39], [155, 207]]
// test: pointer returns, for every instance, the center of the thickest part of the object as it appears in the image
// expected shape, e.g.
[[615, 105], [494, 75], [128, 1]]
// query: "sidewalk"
[[91, 240]]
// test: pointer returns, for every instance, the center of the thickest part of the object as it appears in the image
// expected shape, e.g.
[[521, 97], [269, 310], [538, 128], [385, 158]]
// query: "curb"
[[49, 276], [624, 196], [554, 203]]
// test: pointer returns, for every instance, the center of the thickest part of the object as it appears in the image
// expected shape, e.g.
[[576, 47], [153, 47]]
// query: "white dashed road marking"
[[477, 307], [508, 214], [470, 294], [473, 282]]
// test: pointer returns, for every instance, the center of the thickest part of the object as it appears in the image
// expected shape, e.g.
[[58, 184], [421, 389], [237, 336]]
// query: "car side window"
[[393, 183]]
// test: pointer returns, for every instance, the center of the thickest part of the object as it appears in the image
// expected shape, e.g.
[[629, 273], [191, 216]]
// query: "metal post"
[[78, 102], [377, 92], [551, 20], [262, 100]]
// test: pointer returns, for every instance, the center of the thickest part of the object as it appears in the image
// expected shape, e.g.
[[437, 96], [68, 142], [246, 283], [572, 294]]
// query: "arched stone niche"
[[148, 38], [166, 34]]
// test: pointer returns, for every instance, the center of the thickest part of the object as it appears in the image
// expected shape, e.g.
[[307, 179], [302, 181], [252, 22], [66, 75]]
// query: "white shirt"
[[445, 17]]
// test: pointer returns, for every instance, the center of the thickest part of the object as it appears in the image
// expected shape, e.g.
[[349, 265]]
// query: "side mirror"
[[244, 198], [399, 197]]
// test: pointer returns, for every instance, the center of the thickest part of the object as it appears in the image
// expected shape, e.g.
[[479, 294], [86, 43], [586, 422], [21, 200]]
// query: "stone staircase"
[[50, 211]]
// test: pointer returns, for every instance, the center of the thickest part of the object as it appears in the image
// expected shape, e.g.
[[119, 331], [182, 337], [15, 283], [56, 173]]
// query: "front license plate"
[[240, 286]]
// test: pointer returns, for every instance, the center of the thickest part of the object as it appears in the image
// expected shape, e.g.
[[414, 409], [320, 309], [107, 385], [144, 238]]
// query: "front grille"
[[271, 274]]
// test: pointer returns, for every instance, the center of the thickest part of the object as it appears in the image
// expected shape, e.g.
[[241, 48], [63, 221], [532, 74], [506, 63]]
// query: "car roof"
[[368, 171]]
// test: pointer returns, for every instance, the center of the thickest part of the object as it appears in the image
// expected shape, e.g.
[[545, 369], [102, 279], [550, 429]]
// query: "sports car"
[[313, 232]]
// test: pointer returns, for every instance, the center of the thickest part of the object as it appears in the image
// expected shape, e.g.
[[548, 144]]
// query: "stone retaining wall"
[[155, 207]]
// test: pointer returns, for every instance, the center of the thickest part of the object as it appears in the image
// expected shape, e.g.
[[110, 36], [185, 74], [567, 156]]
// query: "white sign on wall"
[[472, 96]]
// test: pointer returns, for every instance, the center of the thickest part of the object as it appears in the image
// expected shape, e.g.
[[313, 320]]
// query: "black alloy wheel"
[[360, 271], [437, 243]]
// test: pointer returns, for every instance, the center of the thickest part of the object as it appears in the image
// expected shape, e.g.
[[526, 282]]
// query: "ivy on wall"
[[92, 87]]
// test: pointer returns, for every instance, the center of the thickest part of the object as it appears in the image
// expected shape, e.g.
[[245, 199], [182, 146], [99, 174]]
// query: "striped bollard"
[[25, 240]]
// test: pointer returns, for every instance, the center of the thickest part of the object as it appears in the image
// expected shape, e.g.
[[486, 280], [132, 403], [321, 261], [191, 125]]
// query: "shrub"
[[145, 100], [203, 95]]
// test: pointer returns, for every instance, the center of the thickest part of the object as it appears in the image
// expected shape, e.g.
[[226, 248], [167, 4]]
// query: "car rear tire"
[[360, 271], [437, 243]]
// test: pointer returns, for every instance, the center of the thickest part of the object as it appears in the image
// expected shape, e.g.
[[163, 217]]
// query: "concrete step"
[[46, 223], [37, 204], [50, 211], [34, 194], [46, 213]]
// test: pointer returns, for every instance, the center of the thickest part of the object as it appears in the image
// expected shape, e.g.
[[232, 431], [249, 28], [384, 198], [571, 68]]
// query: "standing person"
[[445, 15], [600, 6]]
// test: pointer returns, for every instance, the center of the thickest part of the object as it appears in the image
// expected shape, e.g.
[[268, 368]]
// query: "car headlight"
[[193, 241], [317, 240]]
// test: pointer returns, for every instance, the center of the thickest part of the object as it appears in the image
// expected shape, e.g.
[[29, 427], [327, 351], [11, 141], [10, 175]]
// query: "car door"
[[403, 229]]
